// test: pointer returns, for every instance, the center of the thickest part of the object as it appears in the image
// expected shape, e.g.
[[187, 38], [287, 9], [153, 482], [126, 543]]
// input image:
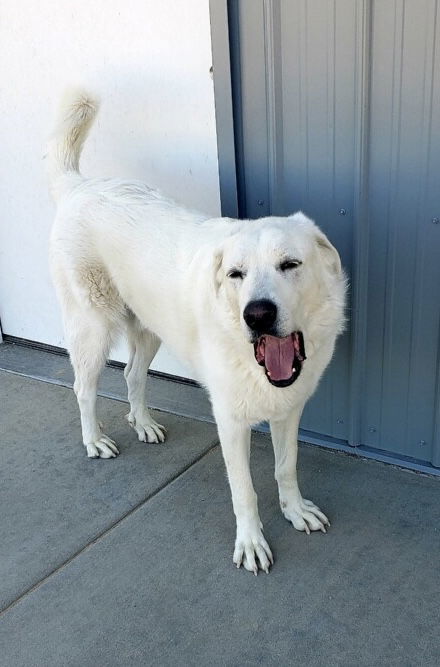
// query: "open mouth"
[[282, 358]]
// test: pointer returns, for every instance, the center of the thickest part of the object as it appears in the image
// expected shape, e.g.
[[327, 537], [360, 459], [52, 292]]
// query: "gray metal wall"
[[337, 113]]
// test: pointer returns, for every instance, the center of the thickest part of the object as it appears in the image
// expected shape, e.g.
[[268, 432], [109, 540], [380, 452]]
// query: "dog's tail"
[[77, 113]]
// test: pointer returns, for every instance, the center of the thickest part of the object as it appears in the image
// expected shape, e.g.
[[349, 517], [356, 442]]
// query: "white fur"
[[124, 257]]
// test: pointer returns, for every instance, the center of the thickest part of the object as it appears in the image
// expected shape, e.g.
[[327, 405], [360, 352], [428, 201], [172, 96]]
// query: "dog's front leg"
[[251, 549], [303, 514]]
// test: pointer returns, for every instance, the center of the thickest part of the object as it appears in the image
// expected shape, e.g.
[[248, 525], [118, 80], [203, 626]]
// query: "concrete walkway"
[[128, 561]]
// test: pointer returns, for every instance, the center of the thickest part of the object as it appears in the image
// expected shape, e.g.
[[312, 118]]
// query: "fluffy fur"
[[126, 258]]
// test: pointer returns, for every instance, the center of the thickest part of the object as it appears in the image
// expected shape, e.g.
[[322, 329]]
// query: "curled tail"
[[75, 118]]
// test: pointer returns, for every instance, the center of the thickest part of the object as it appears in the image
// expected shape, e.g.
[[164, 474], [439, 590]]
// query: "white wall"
[[149, 61]]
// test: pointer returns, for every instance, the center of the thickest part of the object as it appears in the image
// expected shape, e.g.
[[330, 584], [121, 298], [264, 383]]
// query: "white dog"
[[252, 306]]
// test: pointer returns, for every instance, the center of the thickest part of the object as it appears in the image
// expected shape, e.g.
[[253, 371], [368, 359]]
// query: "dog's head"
[[275, 276]]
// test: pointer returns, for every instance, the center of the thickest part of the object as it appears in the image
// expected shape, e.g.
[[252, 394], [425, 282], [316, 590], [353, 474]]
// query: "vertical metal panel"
[[359, 279], [340, 112], [319, 122], [404, 263], [431, 240], [298, 113], [252, 85], [221, 64]]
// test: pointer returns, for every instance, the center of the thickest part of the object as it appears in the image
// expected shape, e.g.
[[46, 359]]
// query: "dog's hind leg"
[[143, 347], [89, 339]]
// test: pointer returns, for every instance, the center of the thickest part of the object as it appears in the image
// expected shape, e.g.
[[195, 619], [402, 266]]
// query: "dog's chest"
[[256, 400]]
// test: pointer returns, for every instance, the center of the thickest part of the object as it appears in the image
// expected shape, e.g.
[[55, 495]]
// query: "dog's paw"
[[304, 515], [146, 428], [103, 448], [252, 551]]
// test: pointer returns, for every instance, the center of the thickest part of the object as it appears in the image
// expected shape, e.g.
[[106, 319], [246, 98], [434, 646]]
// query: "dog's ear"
[[328, 252]]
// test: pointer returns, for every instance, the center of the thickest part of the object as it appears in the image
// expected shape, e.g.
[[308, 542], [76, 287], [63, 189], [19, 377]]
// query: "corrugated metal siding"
[[404, 197], [338, 114]]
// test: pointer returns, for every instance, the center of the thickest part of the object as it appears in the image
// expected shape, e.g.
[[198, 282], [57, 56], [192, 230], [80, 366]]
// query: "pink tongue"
[[279, 354]]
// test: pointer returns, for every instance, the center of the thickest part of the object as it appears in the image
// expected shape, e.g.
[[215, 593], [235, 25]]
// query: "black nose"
[[260, 315]]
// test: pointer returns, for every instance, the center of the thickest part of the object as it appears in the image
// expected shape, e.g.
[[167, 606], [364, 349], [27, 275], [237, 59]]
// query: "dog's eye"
[[235, 273], [290, 264]]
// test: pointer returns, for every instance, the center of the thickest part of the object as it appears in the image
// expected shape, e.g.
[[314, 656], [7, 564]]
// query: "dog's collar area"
[[282, 358]]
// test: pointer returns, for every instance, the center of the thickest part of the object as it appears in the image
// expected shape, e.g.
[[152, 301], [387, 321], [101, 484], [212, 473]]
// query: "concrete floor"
[[129, 561]]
